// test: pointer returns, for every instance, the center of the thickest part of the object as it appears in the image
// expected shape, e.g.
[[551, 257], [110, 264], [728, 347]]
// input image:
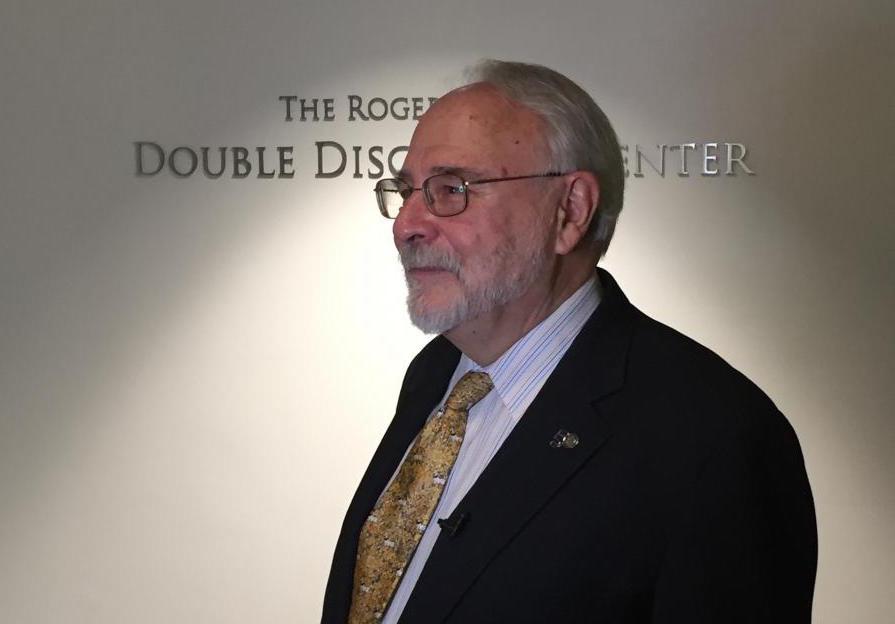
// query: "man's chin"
[[436, 319]]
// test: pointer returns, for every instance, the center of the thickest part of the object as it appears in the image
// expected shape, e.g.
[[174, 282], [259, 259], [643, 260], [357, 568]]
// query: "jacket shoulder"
[[696, 383]]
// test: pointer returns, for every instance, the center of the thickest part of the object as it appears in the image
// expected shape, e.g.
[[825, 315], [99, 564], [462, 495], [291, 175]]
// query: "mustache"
[[419, 257]]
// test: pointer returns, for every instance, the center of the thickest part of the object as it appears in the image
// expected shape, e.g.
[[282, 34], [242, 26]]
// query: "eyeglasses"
[[445, 194]]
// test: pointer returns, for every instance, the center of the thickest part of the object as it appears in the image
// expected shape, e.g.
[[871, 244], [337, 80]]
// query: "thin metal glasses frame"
[[430, 200]]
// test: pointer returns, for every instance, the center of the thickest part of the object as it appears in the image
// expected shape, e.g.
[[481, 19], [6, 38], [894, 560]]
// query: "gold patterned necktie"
[[393, 529]]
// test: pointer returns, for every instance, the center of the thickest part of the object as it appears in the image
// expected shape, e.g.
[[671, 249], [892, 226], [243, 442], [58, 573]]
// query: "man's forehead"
[[480, 104], [473, 127]]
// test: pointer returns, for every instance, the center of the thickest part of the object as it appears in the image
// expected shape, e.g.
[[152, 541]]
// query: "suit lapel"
[[526, 472], [425, 384]]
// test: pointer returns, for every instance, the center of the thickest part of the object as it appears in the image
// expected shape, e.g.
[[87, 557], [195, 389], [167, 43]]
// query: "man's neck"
[[486, 337]]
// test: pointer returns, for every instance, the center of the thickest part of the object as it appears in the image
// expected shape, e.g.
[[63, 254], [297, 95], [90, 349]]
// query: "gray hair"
[[579, 136]]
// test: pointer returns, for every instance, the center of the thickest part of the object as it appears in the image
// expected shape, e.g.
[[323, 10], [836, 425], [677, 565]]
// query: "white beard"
[[486, 282]]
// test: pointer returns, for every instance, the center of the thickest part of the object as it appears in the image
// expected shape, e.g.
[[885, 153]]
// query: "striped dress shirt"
[[518, 376]]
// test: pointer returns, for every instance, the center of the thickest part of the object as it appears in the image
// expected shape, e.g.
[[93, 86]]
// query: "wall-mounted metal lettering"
[[241, 162], [695, 158]]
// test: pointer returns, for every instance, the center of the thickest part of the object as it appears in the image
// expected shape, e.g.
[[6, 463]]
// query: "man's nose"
[[414, 222]]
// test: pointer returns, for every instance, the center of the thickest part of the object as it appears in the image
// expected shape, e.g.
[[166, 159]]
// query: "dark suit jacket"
[[685, 501]]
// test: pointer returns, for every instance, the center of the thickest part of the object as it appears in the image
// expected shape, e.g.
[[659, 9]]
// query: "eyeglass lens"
[[445, 195]]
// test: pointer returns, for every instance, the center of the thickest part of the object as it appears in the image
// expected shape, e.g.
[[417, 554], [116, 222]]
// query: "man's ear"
[[578, 207]]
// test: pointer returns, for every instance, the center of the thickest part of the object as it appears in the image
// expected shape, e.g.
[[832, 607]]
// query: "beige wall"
[[195, 372]]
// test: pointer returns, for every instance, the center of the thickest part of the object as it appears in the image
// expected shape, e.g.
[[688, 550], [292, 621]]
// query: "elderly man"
[[556, 455]]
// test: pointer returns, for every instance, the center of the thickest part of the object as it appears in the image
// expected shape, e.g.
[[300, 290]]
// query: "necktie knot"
[[471, 389]]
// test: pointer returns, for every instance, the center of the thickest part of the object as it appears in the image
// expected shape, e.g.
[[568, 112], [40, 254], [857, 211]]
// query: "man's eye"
[[453, 189]]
